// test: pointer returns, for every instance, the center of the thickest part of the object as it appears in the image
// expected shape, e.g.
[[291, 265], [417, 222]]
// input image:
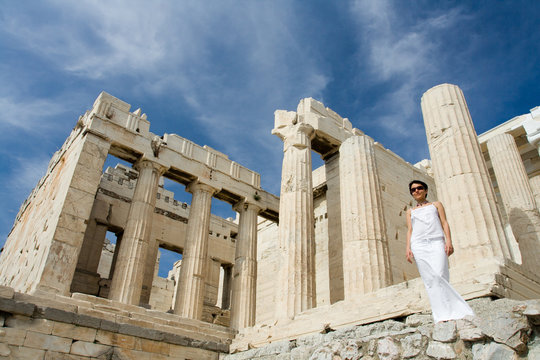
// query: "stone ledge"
[[501, 329], [171, 331]]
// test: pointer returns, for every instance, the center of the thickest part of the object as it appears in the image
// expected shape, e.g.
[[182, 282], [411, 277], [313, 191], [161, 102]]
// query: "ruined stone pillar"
[[366, 264], [517, 195], [130, 265], [190, 292], [296, 232], [463, 183], [245, 268]]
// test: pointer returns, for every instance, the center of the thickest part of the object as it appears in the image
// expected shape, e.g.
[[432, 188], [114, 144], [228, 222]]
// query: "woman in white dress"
[[429, 244]]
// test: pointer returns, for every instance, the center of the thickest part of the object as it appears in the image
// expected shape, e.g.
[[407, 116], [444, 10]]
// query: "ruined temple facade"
[[329, 252]]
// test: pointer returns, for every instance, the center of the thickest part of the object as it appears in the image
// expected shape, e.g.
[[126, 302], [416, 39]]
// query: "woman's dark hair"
[[418, 182]]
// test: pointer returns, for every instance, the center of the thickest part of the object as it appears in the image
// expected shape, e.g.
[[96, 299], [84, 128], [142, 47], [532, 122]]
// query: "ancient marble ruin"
[[327, 254]]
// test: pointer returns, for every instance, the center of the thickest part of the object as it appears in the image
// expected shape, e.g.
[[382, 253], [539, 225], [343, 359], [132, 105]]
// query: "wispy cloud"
[[405, 56]]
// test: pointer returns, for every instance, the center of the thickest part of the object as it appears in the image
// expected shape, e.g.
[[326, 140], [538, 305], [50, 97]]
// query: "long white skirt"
[[432, 263]]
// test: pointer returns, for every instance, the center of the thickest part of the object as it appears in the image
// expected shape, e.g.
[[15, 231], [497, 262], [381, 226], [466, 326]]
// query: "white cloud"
[[406, 56], [28, 115]]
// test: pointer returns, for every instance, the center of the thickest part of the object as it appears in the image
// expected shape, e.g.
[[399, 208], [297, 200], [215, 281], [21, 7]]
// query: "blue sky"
[[215, 71]]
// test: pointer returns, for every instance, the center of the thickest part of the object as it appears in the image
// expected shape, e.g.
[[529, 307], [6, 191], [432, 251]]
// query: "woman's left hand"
[[448, 248]]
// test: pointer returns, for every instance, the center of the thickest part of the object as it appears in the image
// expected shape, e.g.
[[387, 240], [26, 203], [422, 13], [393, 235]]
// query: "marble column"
[[130, 265], [535, 187], [190, 292], [296, 292], [366, 264], [245, 268], [517, 196], [150, 270], [463, 183]]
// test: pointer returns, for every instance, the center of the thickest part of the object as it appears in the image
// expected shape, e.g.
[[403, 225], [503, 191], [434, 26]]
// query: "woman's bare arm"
[[408, 252], [448, 248]]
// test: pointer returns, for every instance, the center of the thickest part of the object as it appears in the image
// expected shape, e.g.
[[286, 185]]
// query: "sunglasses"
[[416, 188]]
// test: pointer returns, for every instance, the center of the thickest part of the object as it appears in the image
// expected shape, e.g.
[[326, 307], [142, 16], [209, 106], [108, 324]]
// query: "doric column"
[[296, 232], [129, 269], [463, 183], [150, 270], [245, 268], [535, 187], [366, 264], [190, 291], [517, 196]]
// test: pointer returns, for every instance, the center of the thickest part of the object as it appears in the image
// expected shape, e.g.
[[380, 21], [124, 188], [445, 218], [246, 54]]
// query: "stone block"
[[122, 353], [84, 348], [47, 342], [6, 292], [151, 346], [120, 340], [13, 336], [109, 325], [54, 355], [507, 329], [4, 350], [75, 332], [492, 351], [444, 331], [57, 314], [25, 353], [16, 307], [87, 321], [411, 346], [43, 326], [440, 350], [177, 351], [388, 349]]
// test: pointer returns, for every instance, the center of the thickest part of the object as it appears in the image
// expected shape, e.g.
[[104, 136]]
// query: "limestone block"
[[507, 329], [13, 336], [26, 353], [74, 331], [440, 350], [43, 326], [6, 292], [444, 331], [177, 351], [151, 346], [47, 342], [4, 350], [411, 346], [122, 353], [492, 351], [388, 349], [532, 311], [54, 355], [120, 340], [84, 348]]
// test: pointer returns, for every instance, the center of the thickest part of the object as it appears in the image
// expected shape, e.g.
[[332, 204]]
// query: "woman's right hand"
[[409, 255]]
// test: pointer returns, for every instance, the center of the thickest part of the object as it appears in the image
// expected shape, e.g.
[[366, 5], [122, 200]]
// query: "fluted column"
[[190, 291], [535, 187], [463, 183], [129, 269], [296, 232], [366, 264], [518, 197], [245, 268]]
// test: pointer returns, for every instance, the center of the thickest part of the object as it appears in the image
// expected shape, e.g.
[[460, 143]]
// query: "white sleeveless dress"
[[427, 245]]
